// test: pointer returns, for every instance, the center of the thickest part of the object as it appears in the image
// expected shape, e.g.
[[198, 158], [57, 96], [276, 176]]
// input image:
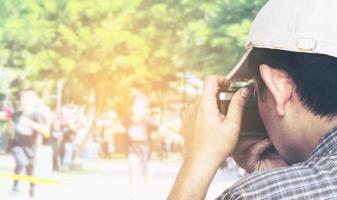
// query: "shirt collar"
[[328, 144]]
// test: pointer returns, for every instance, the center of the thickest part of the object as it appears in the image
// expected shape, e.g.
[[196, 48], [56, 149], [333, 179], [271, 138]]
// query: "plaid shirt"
[[315, 178]]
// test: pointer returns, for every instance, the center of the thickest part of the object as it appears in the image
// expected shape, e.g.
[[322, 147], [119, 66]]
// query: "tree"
[[104, 48]]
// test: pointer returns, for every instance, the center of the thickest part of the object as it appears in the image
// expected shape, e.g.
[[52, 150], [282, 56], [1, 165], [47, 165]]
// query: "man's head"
[[29, 101], [293, 87], [139, 107], [292, 50]]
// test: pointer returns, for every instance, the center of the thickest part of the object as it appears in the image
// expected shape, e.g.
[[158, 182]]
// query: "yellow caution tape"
[[31, 179]]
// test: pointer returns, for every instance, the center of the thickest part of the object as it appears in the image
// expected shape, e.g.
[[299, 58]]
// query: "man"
[[29, 124], [292, 57]]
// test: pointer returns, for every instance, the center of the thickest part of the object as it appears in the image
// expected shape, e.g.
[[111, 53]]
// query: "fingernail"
[[245, 92]]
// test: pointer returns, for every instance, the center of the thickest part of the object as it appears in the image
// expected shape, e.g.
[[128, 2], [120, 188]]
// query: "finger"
[[260, 147], [208, 99], [251, 153], [235, 108], [212, 83], [245, 143]]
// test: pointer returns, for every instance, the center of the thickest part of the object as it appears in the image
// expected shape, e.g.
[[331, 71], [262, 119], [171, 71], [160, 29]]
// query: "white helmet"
[[308, 26]]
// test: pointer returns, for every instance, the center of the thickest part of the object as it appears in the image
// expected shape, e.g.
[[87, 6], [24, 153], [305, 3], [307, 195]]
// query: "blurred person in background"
[[138, 127], [107, 137], [165, 147], [92, 148], [29, 126], [67, 146], [7, 128], [98, 136], [56, 139]]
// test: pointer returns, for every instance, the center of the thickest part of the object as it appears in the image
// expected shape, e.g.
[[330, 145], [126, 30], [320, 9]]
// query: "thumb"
[[260, 147], [235, 108]]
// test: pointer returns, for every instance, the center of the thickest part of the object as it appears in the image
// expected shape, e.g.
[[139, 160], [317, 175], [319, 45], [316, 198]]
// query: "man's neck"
[[313, 128]]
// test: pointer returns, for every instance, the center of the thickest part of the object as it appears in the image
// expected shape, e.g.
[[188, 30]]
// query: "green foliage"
[[215, 33], [106, 47]]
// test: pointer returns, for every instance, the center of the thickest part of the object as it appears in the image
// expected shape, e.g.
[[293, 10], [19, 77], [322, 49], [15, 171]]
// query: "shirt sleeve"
[[262, 184], [311, 179], [16, 115], [151, 124], [229, 195]]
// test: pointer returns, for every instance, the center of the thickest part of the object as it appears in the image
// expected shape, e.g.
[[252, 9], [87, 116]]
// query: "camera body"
[[252, 124]]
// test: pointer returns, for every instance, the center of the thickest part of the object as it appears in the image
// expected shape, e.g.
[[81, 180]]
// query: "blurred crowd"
[[76, 131]]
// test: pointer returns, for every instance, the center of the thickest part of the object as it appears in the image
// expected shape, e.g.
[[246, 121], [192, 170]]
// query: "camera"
[[252, 124]]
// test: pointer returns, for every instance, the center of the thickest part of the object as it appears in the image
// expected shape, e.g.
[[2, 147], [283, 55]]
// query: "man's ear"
[[279, 84]]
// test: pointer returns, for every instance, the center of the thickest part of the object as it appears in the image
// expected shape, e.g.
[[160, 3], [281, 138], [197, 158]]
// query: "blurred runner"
[[29, 123], [138, 127]]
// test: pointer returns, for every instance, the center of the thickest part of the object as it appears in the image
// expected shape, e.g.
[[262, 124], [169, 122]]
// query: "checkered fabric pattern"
[[315, 178]]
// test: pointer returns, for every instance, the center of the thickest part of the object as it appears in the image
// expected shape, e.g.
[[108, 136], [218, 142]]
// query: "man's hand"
[[214, 135], [254, 154], [213, 138]]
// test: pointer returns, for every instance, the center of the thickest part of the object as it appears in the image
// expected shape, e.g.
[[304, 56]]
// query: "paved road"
[[106, 179]]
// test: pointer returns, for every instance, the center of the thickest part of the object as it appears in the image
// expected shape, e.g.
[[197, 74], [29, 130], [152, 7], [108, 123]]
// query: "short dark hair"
[[315, 77]]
